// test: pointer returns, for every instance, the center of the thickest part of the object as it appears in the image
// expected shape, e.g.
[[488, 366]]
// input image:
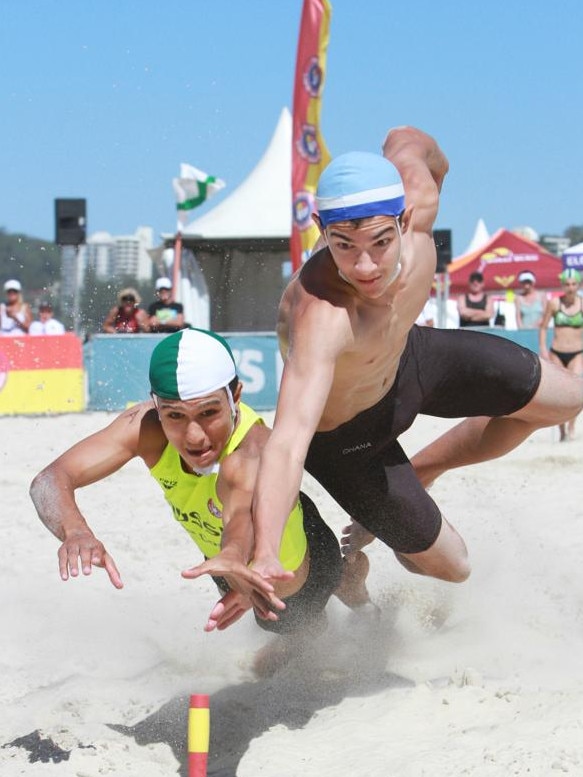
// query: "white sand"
[[483, 678]]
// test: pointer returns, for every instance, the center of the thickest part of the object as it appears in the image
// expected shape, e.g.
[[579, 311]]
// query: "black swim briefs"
[[443, 373]]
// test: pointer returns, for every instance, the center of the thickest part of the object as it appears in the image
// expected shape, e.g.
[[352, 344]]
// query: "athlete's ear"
[[318, 223], [406, 217], [237, 392]]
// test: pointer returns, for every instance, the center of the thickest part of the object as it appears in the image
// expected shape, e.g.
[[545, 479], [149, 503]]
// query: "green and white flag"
[[192, 189]]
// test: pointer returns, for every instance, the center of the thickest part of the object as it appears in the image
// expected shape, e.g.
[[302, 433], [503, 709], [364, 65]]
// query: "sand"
[[479, 679]]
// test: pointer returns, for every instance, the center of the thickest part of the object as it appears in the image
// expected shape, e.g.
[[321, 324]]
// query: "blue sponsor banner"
[[117, 369], [573, 260]]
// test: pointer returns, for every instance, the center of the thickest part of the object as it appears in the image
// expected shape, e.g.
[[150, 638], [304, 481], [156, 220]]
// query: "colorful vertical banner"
[[309, 152]]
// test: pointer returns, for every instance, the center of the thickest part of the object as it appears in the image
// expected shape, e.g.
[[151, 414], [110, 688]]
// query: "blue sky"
[[103, 100]]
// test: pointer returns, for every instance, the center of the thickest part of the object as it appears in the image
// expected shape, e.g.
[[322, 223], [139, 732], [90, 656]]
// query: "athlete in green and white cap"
[[202, 445]]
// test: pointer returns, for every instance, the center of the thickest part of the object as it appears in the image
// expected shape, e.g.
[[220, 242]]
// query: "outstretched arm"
[[235, 486], [422, 166], [53, 493]]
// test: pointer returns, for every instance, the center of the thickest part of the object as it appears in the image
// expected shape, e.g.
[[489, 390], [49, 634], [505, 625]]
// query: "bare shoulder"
[[242, 464], [140, 427], [318, 304]]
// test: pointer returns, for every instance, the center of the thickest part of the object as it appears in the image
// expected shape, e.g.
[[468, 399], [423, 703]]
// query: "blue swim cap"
[[359, 185]]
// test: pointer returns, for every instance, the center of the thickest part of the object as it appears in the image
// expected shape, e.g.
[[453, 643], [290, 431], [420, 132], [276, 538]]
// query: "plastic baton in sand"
[[198, 735]]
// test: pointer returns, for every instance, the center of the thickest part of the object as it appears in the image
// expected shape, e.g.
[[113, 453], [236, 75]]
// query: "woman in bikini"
[[567, 343]]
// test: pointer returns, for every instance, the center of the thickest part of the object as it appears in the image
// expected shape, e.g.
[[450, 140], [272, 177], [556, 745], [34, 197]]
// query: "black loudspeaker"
[[70, 222], [442, 239]]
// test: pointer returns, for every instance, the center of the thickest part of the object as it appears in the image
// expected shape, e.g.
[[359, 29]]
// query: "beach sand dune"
[[478, 679]]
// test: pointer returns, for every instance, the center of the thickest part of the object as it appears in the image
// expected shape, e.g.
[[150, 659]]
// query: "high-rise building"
[[114, 256]]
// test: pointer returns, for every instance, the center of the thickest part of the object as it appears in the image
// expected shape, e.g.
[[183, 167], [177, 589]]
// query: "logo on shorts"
[[357, 448]]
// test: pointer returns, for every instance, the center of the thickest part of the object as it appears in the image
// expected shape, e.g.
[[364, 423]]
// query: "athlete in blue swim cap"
[[357, 370]]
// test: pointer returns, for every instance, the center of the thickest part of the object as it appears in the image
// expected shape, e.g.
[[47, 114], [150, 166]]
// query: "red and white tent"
[[501, 259]]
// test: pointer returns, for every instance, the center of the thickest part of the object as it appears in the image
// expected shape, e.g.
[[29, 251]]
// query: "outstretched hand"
[[252, 584], [86, 550]]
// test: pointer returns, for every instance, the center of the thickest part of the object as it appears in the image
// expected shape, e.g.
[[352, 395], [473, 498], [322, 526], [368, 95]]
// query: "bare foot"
[[352, 590], [354, 538]]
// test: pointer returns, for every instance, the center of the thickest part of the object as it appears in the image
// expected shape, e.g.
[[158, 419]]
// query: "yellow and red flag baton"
[[198, 735]]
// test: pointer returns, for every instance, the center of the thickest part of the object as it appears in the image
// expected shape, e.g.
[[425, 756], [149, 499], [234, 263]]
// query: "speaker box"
[[442, 239], [70, 222]]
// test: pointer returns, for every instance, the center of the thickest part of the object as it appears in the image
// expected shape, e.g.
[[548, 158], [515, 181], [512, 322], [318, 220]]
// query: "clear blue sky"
[[104, 99]]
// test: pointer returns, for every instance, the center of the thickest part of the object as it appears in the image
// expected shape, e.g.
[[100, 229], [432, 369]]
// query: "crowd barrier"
[[117, 369], [41, 374], [59, 374]]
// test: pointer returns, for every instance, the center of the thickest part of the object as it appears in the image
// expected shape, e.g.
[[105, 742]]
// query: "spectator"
[[530, 304], [46, 323], [475, 307], [15, 313], [126, 317], [165, 315], [566, 349]]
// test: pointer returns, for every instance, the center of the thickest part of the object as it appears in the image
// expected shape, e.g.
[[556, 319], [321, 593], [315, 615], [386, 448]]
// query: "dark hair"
[[476, 276]]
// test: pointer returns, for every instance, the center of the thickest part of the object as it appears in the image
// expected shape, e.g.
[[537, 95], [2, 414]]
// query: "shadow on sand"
[[350, 662]]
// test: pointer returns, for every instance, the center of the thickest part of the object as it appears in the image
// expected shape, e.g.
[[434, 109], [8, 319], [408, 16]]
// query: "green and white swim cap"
[[570, 274], [190, 364]]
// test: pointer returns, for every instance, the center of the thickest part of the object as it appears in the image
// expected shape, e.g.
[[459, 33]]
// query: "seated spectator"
[[46, 324], [126, 317], [165, 314], [15, 313]]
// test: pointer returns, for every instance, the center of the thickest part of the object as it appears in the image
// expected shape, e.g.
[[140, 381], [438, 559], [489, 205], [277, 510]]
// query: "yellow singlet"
[[195, 504]]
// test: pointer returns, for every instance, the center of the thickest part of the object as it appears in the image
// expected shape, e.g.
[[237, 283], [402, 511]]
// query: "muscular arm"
[[318, 335], [422, 167], [53, 491]]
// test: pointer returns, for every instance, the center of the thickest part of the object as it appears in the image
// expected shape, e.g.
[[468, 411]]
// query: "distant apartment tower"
[[556, 244], [117, 256], [130, 254]]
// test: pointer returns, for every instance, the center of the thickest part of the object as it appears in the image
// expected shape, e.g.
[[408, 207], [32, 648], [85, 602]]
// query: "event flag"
[[309, 152], [192, 189]]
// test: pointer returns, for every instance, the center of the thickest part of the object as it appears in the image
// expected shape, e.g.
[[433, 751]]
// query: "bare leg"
[[446, 559], [558, 399]]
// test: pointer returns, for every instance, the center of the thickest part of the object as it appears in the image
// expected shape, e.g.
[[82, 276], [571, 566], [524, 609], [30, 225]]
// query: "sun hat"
[[163, 283], [359, 185], [12, 285], [190, 364]]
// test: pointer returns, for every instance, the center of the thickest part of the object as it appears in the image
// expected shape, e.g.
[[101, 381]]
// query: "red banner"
[[309, 152]]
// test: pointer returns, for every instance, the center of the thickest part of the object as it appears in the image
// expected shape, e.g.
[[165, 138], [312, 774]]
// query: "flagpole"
[[176, 268]]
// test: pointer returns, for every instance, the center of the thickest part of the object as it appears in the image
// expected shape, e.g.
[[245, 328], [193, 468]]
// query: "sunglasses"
[[128, 298]]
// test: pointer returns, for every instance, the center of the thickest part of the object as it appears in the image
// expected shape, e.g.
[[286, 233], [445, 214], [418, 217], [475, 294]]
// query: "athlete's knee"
[[455, 569]]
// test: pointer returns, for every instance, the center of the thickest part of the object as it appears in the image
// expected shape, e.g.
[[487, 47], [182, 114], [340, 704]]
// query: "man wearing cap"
[[46, 323], [202, 445], [15, 313], [165, 314], [475, 307], [357, 371], [529, 302]]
